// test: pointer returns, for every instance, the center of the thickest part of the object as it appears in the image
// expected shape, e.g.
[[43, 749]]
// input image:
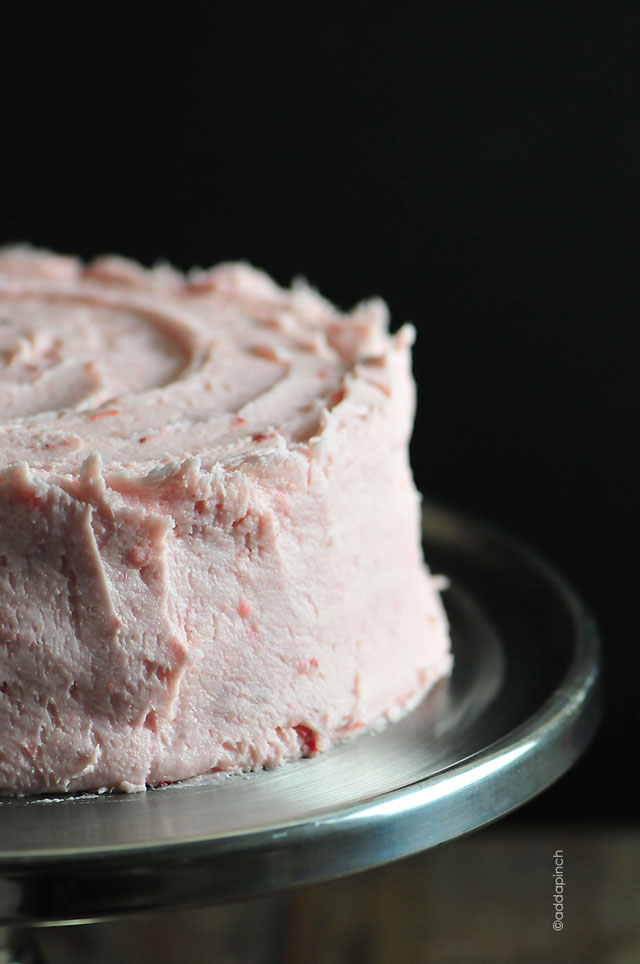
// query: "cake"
[[210, 552]]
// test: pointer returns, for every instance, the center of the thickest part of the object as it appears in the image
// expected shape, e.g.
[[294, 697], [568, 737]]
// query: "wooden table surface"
[[485, 898]]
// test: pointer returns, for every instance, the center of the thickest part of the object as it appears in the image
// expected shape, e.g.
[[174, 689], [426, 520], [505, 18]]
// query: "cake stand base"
[[520, 707]]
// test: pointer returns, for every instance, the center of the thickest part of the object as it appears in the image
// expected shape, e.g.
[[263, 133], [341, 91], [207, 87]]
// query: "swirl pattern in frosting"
[[150, 366]]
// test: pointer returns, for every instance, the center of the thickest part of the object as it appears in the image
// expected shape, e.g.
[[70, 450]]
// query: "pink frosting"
[[209, 532]]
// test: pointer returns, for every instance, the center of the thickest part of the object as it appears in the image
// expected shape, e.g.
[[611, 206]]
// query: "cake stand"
[[522, 703]]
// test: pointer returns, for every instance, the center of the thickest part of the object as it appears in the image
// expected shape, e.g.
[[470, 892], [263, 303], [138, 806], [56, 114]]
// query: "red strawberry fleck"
[[29, 498], [103, 414], [307, 737]]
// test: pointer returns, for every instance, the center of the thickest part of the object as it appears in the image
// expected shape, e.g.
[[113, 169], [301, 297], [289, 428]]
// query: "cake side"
[[209, 536]]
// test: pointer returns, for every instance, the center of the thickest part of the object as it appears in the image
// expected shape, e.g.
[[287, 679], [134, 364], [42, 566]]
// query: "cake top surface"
[[148, 366]]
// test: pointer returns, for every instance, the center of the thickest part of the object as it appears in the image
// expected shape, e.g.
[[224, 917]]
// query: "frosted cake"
[[210, 551]]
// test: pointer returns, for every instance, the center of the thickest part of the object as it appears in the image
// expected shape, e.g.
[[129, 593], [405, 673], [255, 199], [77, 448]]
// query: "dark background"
[[473, 163]]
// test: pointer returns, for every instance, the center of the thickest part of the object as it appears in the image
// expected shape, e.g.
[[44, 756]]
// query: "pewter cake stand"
[[519, 709]]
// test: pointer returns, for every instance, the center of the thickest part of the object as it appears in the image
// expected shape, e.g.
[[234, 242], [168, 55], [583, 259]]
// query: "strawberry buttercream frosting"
[[210, 549]]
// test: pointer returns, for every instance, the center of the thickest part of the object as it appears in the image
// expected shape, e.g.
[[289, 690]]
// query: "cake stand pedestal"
[[520, 707], [16, 948]]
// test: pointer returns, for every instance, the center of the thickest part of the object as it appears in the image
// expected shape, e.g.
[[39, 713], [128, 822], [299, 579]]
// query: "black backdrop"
[[473, 163]]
